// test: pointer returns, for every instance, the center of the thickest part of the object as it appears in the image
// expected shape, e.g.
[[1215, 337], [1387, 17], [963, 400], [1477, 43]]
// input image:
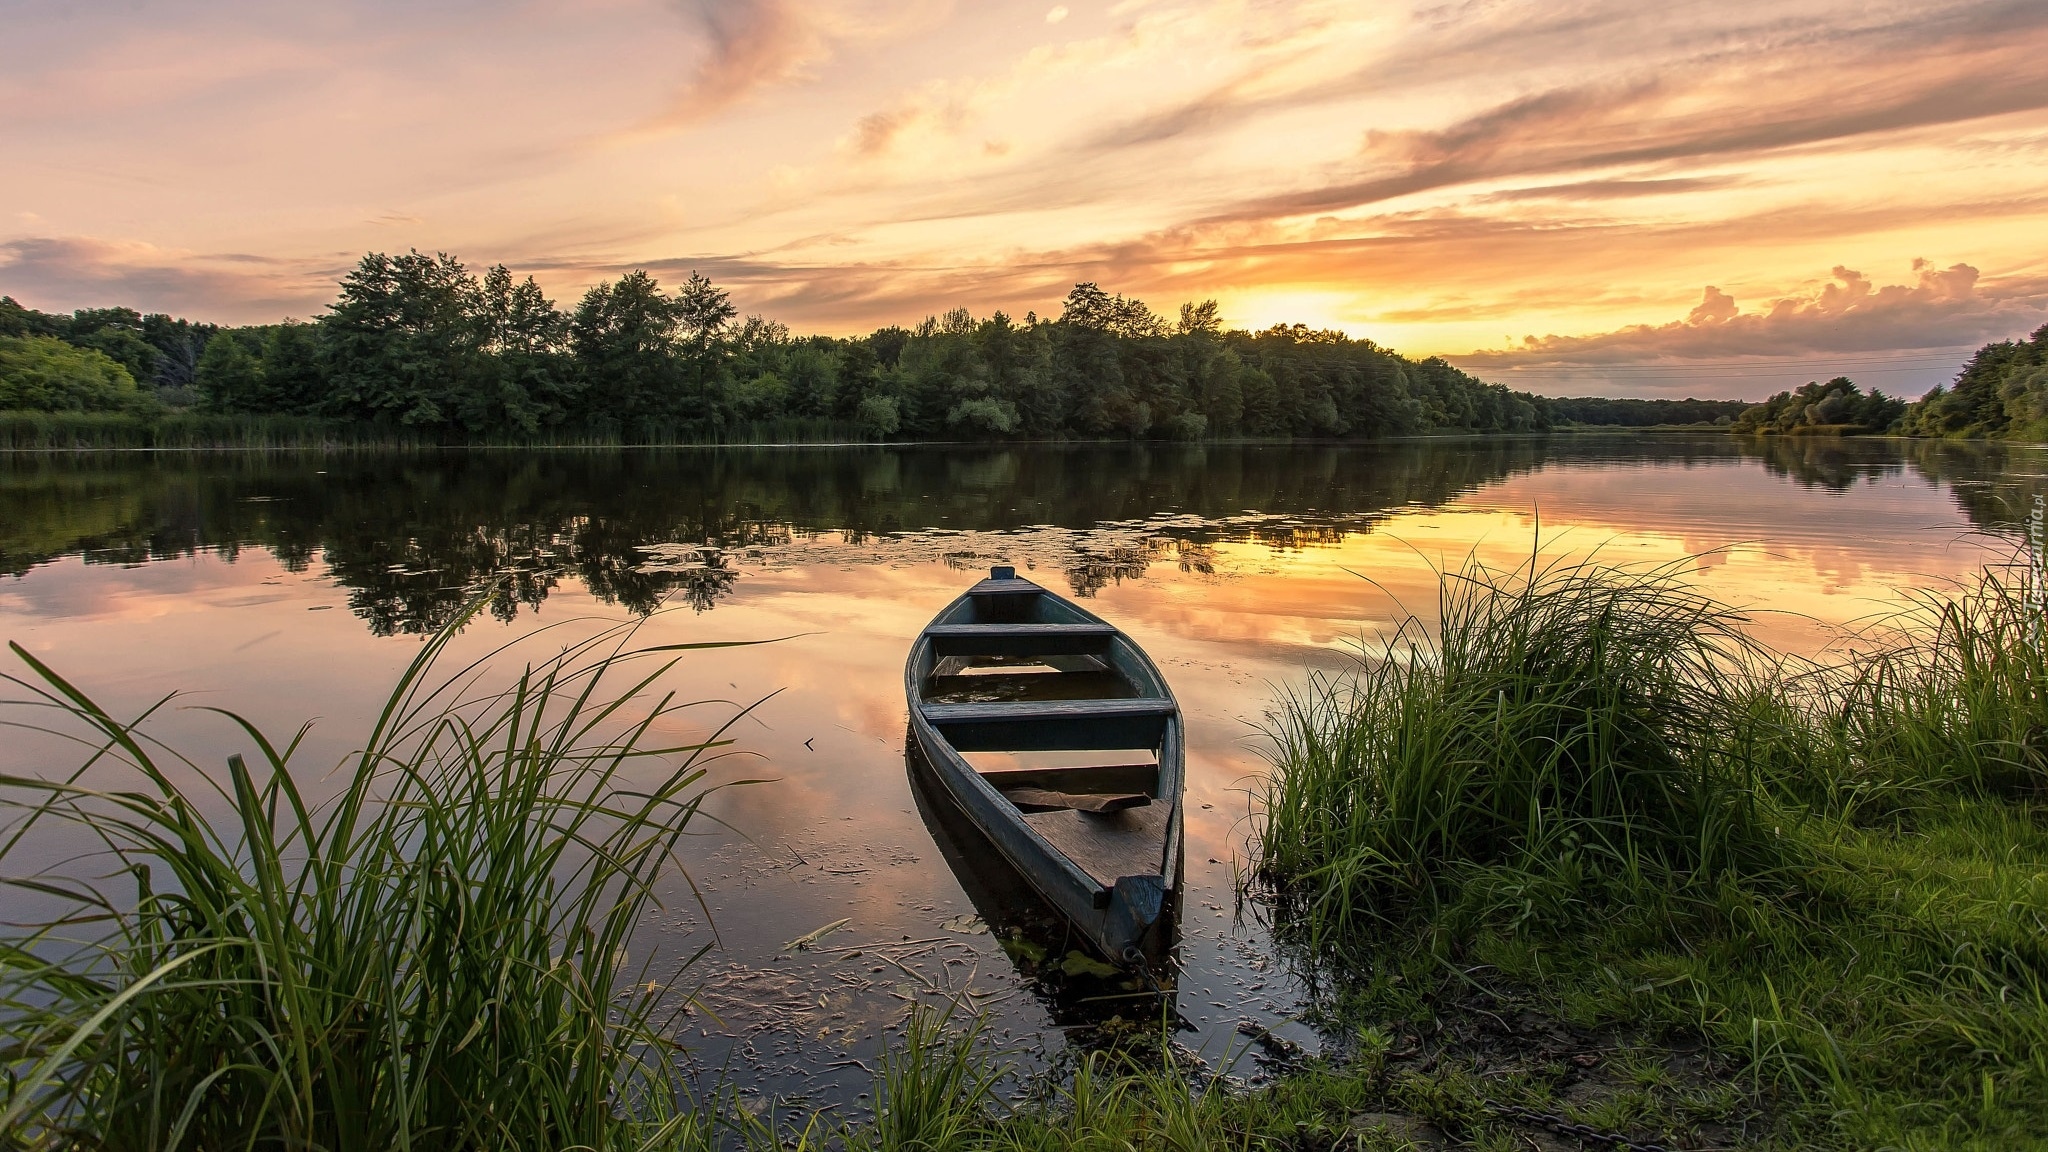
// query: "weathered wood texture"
[[1045, 800], [1020, 639], [1127, 843], [1017, 726], [1105, 778], [1010, 587], [1012, 600]]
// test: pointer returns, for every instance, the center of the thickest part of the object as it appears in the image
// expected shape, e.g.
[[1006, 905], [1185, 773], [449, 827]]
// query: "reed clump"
[[1565, 718], [1592, 788], [1954, 693], [435, 958]]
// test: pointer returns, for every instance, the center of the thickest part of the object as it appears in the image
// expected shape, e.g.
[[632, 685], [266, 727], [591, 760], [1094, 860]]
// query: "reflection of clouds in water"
[[1230, 603]]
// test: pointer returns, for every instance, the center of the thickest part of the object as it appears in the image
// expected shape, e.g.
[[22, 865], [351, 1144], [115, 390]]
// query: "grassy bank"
[[1593, 799]]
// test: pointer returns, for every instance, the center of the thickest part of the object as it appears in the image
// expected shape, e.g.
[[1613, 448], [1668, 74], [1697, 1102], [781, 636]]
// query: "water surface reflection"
[[298, 586]]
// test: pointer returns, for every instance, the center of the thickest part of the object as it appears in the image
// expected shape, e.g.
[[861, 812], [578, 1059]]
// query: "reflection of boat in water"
[[1075, 987], [1078, 781]]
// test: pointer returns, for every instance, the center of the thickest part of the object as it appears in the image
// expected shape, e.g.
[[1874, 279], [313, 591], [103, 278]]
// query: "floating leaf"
[[1081, 964]]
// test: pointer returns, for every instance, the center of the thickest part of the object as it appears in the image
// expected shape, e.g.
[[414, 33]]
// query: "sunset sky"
[[1597, 195]]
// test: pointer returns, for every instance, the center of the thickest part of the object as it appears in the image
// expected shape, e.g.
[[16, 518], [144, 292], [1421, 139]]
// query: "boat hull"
[[1126, 916]]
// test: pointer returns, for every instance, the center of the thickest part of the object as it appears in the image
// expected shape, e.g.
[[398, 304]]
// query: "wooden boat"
[[1010, 667]]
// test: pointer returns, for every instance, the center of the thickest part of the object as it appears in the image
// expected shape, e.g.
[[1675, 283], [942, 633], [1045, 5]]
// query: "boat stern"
[[1135, 907]]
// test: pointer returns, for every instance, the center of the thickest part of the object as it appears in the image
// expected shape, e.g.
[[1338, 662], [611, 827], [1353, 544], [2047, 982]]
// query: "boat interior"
[[1061, 716]]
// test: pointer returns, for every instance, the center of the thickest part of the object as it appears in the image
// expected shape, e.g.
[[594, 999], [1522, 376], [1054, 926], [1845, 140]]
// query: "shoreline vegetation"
[[417, 350], [1585, 853]]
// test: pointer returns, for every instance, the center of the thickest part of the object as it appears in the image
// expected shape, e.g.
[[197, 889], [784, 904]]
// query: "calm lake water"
[[297, 587]]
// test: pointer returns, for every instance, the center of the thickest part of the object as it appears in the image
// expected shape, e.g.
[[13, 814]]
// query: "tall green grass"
[[1955, 693], [1565, 716], [1592, 787], [95, 430], [433, 959]]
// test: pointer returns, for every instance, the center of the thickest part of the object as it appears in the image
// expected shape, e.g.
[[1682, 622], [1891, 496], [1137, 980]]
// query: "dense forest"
[[1626, 412], [418, 344], [417, 349], [1837, 406], [2001, 394]]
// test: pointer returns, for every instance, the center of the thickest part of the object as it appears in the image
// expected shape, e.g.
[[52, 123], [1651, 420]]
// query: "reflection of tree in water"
[[700, 573], [1195, 557], [414, 536], [1095, 568], [1832, 462]]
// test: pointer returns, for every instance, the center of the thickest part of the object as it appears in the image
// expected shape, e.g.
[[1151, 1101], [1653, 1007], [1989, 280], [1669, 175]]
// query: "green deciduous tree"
[[404, 342], [42, 373], [230, 377], [625, 339]]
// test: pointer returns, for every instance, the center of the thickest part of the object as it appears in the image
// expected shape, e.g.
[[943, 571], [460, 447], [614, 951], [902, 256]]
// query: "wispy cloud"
[[230, 287], [750, 45], [1719, 112]]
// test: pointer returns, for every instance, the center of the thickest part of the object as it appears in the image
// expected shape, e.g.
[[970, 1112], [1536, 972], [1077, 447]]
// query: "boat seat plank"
[[1020, 639], [1106, 778], [1009, 587], [1047, 800], [1045, 711], [1127, 843], [1040, 725]]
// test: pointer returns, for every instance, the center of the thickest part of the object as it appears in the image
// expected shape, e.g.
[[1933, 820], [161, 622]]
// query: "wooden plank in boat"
[[1127, 843], [1020, 639], [1046, 711], [1106, 778], [1033, 725], [1046, 800]]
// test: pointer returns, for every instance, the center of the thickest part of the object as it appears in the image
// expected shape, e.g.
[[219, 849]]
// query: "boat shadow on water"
[[1096, 1004]]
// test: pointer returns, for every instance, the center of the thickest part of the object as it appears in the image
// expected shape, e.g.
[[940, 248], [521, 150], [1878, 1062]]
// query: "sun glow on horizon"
[[1433, 181]]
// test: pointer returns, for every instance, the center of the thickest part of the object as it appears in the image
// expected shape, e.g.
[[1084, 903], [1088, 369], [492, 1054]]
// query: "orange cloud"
[[1433, 178], [1944, 310]]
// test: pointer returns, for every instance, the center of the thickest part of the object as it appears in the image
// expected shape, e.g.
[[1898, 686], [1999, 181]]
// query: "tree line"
[[2000, 394], [418, 346], [1629, 412], [417, 342]]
